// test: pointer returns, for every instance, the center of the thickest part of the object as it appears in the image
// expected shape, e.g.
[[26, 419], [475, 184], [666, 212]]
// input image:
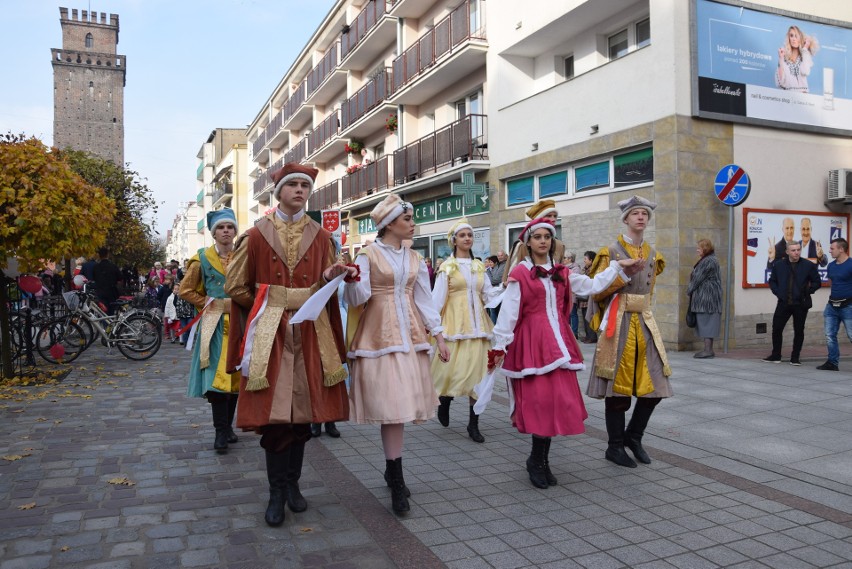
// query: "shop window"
[[520, 191], [634, 168], [553, 184], [591, 176]]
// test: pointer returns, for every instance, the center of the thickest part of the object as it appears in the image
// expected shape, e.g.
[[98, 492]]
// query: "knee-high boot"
[[444, 410], [399, 500], [219, 409], [276, 472], [615, 447], [535, 463], [636, 428], [232, 410], [473, 427], [295, 499], [551, 479]]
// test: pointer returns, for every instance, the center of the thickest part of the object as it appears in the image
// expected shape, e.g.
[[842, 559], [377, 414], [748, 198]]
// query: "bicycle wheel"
[[86, 327], [60, 335], [138, 337]]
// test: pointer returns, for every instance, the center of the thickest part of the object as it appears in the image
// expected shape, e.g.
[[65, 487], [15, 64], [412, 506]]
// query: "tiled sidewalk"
[[751, 468]]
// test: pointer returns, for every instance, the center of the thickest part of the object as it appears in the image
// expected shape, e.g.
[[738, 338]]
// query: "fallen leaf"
[[122, 481], [57, 421], [29, 506], [41, 420], [306, 530], [64, 548], [18, 411], [194, 426], [14, 457]]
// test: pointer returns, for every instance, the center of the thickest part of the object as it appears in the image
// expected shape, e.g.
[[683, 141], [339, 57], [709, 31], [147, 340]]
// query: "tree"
[[47, 211], [130, 239]]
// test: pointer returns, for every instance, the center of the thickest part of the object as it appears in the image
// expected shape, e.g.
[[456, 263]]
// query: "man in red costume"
[[291, 375]]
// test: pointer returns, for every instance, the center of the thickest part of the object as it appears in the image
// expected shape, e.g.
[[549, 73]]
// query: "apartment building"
[[585, 102], [183, 239], [222, 178]]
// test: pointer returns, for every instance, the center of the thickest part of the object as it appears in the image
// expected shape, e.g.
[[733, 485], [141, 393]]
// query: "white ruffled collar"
[[386, 247]]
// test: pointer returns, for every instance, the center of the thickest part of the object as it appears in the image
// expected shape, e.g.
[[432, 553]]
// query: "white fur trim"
[[564, 363], [287, 178], [536, 227], [460, 227], [393, 214]]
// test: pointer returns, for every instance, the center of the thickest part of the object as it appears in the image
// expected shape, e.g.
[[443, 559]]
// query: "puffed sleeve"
[[423, 301], [585, 286], [442, 287], [191, 285], [489, 291], [239, 282], [359, 292], [504, 330]]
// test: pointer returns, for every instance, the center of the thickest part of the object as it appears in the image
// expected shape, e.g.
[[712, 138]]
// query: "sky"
[[192, 66]]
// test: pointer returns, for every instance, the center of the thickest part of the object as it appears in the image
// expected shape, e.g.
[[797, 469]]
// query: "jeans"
[[832, 319], [783, 312], [575, 320], [185, 337]]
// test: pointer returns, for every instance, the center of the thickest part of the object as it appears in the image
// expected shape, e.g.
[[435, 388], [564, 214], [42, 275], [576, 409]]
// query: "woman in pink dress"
[[389, 355], [538, 351]]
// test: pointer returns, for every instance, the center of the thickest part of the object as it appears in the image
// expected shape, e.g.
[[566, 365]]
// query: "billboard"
[[771, 69], [766, 232]]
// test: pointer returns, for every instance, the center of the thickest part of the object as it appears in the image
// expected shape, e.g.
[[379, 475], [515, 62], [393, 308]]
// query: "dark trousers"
[[783, 312]]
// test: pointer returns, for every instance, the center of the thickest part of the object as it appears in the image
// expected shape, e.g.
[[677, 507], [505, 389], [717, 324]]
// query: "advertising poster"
[[755, 66], [766, 232]]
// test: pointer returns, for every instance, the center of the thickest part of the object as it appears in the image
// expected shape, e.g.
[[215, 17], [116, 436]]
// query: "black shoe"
[[295, 457], [619, 457], [828, 366], [399, 499], [331, 430], [220, 444], [276, 473], [536, 463], [473, 427], [232, 437], [316, 429], [444, 410], [634, 443], [390, 482], [275, 509], [772, 359], [219, 409], [551, 479], [795, 362]]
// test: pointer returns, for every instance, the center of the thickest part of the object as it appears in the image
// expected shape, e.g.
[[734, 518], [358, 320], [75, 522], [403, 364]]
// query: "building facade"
[[222, 179], [183, 239], [474, 108], [88, 85]]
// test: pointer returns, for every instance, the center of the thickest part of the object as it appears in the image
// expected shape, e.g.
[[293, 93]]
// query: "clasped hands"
[[338, 269]]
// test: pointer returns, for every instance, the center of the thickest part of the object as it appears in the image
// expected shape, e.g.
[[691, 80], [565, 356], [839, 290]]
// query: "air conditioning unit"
[[840, 185]]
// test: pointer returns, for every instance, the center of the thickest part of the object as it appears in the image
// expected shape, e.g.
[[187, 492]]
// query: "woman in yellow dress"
[[462, 289]]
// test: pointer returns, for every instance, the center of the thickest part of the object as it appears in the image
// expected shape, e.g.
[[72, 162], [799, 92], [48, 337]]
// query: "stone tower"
[[88, 85]]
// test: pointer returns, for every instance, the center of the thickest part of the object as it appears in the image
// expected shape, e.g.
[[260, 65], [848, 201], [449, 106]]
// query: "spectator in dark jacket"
[[705, 296], [107, 275], [793, 281], [165, 292]]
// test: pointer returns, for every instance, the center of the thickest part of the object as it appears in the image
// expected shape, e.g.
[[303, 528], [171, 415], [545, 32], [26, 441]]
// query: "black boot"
[[444, 410], [399, 500], [295, 500], [219, 408], [535, 463], [276, 472], [636, 428], [332, 431], [551, 479], [473, 427], [232, 410], [316, 429], [615, 449], [389, 478]]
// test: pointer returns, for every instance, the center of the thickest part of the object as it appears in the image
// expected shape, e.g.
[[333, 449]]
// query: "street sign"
[[732, 185]]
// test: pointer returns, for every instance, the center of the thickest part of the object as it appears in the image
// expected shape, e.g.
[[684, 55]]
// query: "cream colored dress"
[[390, 351], [462, 289]]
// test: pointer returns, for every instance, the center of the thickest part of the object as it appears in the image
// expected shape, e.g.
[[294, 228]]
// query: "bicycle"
[[136, 334]]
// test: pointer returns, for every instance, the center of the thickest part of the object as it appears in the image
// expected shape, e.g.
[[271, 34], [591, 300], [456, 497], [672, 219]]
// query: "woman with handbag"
[[705, 296]]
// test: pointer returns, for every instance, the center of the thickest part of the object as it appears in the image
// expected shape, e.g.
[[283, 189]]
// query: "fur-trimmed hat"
[[218, 217], [292, 171], [389, 209], [541, 208], [636, 202], [457, 226], [532, 226]]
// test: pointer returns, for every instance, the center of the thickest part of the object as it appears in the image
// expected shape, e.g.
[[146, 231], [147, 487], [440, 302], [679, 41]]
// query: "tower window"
[[90, 41]]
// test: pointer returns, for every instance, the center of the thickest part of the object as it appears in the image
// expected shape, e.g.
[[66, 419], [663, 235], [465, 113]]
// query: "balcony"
[[461, 141], [258, 149], [324, 141], [371, 33], [452, 50], [275, 135], [296, 153], [199, 172], [367, 180], [295, 113], [223, 192], [200, 225], [326, 79], [366, 111], [326, 197], [199, 199], [411, 8]]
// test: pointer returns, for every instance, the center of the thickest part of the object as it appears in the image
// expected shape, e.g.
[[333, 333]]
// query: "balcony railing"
[[297, 153], [366, 99], [324, 132], [361, 25], [261, 183], [257, 145], [222, 189], [272, 128], [447, 34], [200, 225], [199, 199], [322, 70], [366, 180], [325, 197], [296, 100], [462, 140]]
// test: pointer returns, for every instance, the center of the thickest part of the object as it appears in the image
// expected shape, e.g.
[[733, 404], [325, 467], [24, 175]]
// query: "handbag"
[[691, 318]]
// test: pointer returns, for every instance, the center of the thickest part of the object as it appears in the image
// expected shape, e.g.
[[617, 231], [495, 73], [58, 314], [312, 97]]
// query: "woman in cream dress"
[[389, 354], [462, 289]]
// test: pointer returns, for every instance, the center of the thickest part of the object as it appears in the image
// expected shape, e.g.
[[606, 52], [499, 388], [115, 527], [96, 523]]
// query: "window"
[[568, 67], [634, 168], [618, 45], [520, 191], [553, 184], [591, 176], [90, 41], [643, 33]]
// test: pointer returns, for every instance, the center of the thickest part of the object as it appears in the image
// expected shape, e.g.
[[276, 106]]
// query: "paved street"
[[113, 467]]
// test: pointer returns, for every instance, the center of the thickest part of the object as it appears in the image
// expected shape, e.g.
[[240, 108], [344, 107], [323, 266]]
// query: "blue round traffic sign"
[[732, 185]]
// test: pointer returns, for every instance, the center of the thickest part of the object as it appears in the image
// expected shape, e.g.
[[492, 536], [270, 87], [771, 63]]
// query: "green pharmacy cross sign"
[[469, 189]]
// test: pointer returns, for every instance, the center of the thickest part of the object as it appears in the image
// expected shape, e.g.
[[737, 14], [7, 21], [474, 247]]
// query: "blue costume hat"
[[216, 218]]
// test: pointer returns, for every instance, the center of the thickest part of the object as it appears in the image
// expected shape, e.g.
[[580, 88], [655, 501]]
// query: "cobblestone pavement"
[[752, 468]]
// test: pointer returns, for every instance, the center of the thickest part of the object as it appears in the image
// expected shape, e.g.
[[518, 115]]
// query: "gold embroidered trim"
[[209, 321]]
